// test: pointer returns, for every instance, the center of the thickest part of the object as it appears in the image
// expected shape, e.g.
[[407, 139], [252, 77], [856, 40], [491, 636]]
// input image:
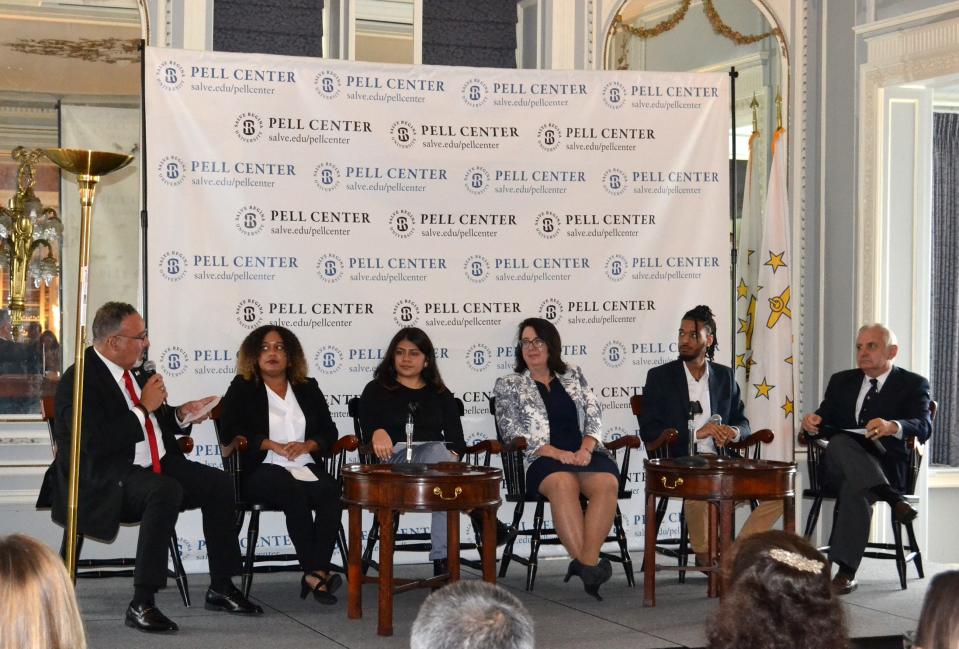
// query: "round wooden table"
[[388, 488], [721, 482]]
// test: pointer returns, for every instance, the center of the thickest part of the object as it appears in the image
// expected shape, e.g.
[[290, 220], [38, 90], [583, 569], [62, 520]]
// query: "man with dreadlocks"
[[694, 388]]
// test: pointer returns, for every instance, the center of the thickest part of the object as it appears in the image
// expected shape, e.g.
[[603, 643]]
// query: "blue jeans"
[[429, 453]]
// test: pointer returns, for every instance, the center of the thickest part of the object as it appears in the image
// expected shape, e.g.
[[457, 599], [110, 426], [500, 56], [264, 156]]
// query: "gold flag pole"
[[88, 166]]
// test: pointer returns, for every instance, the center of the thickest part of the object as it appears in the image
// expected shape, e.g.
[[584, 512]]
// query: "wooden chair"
[[678, 547], [478, 454], [897, 550], [122, 567], [231, 454], [514, 474]]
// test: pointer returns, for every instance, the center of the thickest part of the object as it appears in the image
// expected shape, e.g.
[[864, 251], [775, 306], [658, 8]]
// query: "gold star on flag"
[[778, 306], [749, 253], [742, 290], [787, 407], [741, 360], [762, 389], [789, 359], [743, 326], [775, 261]]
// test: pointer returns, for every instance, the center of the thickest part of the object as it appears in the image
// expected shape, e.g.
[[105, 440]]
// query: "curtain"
[[467, 32], [944, 352], [288, 27]]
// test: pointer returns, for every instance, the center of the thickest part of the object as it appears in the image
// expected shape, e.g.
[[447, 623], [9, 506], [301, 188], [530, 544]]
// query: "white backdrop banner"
[[346, 200]]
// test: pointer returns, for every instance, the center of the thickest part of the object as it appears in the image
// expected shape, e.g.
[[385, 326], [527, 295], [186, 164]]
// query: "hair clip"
[[796, 560]]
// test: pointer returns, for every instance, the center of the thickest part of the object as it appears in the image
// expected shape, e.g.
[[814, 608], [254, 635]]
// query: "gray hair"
[[472, 615], [109, 318], [888, 335]]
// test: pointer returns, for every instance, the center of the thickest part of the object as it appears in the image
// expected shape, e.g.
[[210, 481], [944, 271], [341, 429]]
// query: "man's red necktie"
[[151, 434]]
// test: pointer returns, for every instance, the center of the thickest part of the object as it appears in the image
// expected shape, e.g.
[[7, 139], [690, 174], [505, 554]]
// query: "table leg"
[[712, 549], [354, 573], [453, 544], [489, 545], [727, 516], [385, 623], [789, 514], [649, 556]]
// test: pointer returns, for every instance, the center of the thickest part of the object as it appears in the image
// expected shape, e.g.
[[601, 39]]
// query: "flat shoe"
[[903, 512], [148, 618], [844, 584], [232, 602]]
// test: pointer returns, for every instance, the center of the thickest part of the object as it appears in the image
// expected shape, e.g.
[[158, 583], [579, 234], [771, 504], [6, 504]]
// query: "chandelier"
[[25, 226]]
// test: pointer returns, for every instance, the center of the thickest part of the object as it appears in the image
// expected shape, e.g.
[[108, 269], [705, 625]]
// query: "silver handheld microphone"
[[716, 419]]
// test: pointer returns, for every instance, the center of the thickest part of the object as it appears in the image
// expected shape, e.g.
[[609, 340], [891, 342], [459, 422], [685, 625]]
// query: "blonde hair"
[[38, 607]]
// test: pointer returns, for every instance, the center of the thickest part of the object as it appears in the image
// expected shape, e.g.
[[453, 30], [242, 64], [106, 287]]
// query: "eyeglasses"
[[141, 337], [535, 343]]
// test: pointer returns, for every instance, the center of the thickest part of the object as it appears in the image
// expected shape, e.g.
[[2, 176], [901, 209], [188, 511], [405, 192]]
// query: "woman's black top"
[[436, 417]]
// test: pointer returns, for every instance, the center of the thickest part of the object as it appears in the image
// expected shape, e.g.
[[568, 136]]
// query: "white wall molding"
[[901, 58]]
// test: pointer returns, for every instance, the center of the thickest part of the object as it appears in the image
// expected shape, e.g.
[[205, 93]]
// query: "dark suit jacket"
[[109, 434], [666, 403], [246, 412], [904, 397]]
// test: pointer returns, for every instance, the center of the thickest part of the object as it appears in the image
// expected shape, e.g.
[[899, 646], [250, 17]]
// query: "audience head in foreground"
[[38, 608], [939, 621], [472, 615], [778, 596]]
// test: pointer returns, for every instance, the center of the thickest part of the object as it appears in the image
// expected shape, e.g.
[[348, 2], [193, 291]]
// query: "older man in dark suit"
[[131, 468], [890, 404]]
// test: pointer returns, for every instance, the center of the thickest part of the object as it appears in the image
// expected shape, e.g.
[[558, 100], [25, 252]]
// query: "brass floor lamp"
[[89, 167]]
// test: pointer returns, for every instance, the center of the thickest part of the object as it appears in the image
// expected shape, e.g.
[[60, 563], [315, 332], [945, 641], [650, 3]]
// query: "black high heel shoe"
[[332, 582], [595, 576], [575, 568]]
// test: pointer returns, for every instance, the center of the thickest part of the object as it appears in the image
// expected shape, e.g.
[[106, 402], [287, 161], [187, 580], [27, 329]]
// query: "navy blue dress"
[[564, 434]]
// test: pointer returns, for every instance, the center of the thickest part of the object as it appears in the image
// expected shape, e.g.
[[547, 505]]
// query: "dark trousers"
[[312, 536], [851, 472], [155, 501]]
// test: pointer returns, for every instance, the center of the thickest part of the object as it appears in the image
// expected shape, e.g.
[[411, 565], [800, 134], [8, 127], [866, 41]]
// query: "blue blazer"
[[904, 398], [666, 403]]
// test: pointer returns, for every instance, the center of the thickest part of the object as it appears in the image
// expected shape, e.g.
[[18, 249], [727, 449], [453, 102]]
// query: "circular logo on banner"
[[406, 313], [614, 94], [614, 181], [476, 180], [173, 265], [250, 220], [249, 313], [403, 134], [401, 224], [478, 357], [171, 170], [326, 176], [248, 127], [330, 268], [614, 353], [476, 268], [552, 310], [616, 267], [173, 361], [169, 75], [548, 136], [475, 92], [327, 84], [547, 225], [328, 359], [614, 432]]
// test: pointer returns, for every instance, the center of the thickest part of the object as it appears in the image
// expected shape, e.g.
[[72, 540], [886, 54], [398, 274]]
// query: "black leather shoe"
[[903, 512], [232, 602], [502, 529], [440, 567], [147, 617], [843, 584]]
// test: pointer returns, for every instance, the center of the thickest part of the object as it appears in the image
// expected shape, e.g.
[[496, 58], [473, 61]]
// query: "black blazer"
[[666, 403], [110, 432], [904, 397], [246, 412]]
